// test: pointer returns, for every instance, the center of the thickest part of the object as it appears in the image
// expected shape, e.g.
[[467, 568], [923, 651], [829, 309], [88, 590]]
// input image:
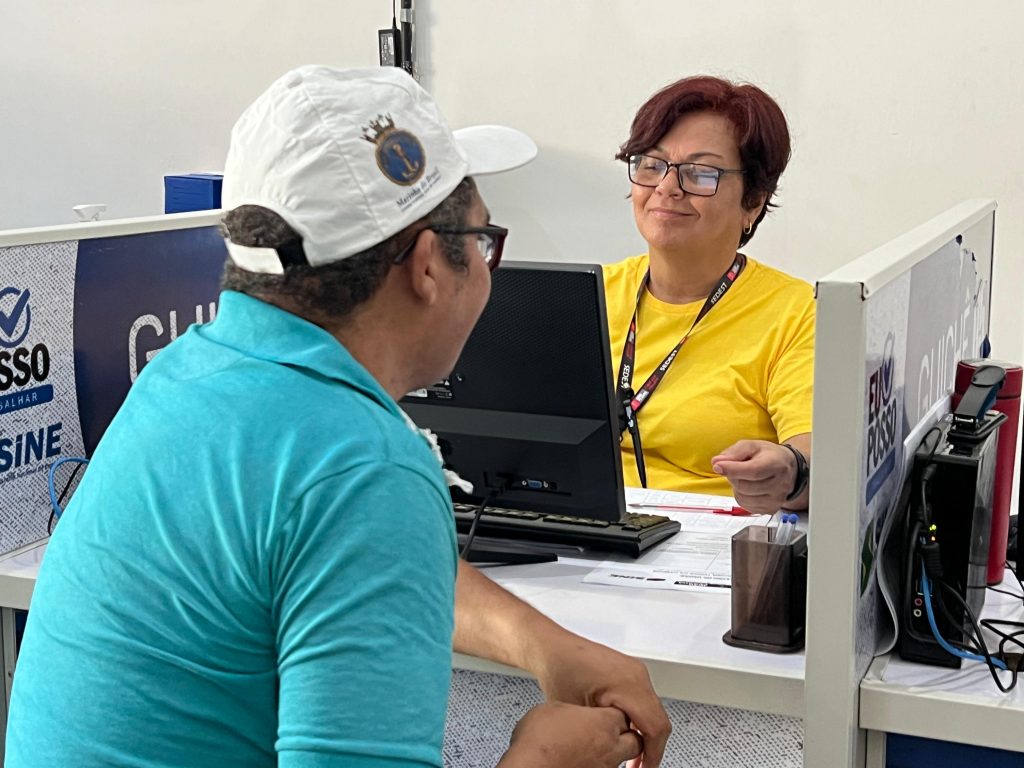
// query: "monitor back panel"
[[529, 412]]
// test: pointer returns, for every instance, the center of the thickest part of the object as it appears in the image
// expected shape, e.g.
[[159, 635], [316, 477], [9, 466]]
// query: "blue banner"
[[133, 296]]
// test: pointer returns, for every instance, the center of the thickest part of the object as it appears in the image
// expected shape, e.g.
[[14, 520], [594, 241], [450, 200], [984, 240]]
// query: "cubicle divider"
[[891, 327], [82, 310]]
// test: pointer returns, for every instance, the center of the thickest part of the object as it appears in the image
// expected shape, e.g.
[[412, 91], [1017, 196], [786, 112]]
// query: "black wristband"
[[803, 473]]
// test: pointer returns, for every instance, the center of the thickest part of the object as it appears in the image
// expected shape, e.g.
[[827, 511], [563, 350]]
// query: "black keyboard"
[[631, 536]]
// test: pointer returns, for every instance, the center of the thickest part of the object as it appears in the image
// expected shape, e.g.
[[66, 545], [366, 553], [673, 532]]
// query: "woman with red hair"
[[715, 350]]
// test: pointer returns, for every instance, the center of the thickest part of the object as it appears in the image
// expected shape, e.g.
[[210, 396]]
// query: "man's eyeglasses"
[[694, 178], [490, 241]]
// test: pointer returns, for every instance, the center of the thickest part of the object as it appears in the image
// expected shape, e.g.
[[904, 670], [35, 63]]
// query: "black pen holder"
[[769, 590]]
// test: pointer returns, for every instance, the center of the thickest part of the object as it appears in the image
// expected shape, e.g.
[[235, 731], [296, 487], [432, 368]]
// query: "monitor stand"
[[487, 549]]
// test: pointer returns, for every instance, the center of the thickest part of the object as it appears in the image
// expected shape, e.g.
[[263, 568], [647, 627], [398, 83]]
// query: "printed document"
[[698, 558]]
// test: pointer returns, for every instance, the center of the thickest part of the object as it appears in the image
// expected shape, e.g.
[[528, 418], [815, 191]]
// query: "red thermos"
[[1008, 402]]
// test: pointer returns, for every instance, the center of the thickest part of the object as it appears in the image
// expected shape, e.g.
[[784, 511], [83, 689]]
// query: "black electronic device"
[[529, 414], [405, 48], [1013, 543], [948, 527], [632, 535], [394, 45], [388, 46]]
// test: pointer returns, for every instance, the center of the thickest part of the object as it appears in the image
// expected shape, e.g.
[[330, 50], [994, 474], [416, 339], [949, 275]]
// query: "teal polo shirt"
[[258, 569]]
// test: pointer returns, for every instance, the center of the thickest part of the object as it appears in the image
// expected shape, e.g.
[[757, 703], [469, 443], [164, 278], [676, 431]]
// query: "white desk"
[[961, 705], [677, 634], [18, 571]]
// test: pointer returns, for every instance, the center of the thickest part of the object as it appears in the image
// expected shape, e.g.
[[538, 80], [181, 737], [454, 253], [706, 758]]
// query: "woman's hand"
[[762, 475], [558, 735]]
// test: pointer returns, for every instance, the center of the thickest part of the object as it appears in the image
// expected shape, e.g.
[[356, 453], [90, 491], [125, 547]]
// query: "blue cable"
[[926, 589], [54, 504]]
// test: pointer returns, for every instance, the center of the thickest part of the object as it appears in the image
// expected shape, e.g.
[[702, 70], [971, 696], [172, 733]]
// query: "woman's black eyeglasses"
[[694, 178], [490, 241]]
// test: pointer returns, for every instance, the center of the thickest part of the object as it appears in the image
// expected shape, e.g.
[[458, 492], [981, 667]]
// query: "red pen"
[[734, 511]]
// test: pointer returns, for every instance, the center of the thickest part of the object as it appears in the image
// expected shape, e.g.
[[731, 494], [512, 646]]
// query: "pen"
[[734, 511], [786, 529]]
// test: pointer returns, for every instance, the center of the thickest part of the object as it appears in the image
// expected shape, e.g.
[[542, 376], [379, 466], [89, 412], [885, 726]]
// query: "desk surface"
[[678, 634], [960, 705], [18, 571]]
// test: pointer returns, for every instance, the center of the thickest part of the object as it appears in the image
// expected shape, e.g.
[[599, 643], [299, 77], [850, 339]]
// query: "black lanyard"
[[629, 349]]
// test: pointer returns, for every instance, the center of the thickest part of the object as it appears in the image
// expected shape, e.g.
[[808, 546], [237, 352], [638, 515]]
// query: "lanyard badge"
[[636, 400], [631, 402]]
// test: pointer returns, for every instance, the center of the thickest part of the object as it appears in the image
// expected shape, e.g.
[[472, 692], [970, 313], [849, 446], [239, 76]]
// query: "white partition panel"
[[891, 327], [83, 309]]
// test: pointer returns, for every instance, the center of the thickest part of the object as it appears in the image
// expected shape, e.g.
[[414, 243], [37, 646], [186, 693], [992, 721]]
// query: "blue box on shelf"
[[192, 192]]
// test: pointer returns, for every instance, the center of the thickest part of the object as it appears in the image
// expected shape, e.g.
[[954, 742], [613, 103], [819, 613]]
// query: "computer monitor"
[[528, 415], [83, 308]]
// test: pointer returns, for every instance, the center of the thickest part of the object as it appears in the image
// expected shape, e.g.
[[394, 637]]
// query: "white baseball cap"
[[350, 157]]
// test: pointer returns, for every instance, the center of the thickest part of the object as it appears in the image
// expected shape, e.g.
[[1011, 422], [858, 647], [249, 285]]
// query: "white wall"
[[897, 110], [99, 99]]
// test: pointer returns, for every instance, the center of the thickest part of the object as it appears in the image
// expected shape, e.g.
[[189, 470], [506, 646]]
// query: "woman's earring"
[[749, 228]]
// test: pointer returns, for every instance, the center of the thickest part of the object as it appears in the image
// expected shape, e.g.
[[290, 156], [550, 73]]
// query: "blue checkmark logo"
[[11, 319]]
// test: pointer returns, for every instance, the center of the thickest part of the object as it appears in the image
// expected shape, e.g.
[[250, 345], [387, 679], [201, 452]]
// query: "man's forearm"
[[494, 624]]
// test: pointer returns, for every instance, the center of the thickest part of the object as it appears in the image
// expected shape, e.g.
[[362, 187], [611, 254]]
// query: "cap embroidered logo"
[[400, 155]]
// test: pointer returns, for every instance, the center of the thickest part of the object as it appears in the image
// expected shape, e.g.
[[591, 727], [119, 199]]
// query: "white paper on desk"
[[697, 559], [650, 497]]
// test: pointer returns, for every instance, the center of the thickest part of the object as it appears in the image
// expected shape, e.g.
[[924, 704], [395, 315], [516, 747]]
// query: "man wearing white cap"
[[259, 566]]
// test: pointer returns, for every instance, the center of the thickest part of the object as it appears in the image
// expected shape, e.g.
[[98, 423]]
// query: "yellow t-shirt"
[[746, 372]]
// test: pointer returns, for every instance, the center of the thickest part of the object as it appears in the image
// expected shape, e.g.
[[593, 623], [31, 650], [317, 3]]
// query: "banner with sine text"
[[78, 320]]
